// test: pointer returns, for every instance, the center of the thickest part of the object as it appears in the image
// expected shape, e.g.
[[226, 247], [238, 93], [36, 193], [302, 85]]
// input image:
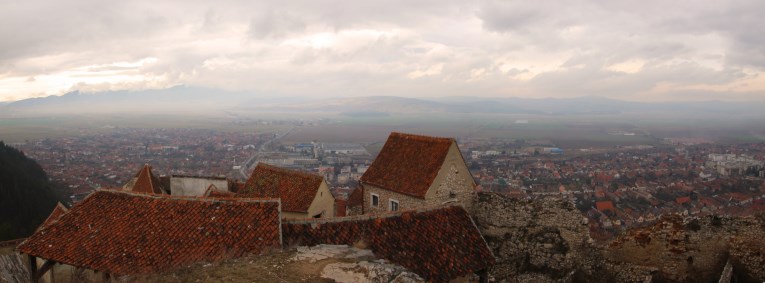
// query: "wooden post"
[[32, 268], [47, 266], [483, 276]]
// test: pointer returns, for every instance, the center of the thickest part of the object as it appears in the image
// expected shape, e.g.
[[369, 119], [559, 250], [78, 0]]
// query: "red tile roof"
[[356, 198], [682, 200], [59, 210], [295, 188], [146, 182], [408, 164], [605, 205], [439, 245], [123, 233], [340, 207]]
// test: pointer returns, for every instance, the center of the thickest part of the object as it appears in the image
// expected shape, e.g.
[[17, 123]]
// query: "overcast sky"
[[635, 50]]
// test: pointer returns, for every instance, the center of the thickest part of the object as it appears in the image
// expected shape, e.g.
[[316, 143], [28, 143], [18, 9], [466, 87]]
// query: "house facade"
[[415, 171], [303, 195]]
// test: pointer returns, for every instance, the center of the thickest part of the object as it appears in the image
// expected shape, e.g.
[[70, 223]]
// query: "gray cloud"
[[623, 49]]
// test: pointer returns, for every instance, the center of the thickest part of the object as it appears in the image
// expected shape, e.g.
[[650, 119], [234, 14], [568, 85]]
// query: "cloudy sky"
[[634, 50]]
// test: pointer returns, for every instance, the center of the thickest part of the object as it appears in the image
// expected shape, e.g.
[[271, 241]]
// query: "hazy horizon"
[[649, 51]]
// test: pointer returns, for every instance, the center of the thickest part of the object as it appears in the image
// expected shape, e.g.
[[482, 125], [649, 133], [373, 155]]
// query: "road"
[[245, 168]]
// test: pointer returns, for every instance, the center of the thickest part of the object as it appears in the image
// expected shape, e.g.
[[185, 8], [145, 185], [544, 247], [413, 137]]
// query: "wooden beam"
[[32, 268], [483, 276], [43, 269]]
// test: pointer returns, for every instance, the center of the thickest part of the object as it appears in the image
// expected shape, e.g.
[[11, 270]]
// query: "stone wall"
[[544, 240], [405, 202], [454, 183], [13, 269], [439, 244], [694, 250]]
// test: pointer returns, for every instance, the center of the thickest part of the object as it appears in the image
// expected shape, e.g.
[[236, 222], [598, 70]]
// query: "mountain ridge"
[[183, 99]]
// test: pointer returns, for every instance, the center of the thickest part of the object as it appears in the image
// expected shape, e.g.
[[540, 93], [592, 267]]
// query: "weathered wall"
[[695, 250], [437, 244], [454, 183], [405, 202], [323, 202], [542, 240], [190, 186], [13, 269]]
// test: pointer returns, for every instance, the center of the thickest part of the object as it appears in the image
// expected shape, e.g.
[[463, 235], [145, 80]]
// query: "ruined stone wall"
[[694, 250], [545, 238], [437, 243], [13, 269]]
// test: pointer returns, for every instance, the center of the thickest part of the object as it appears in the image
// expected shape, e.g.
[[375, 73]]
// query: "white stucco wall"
[[194, 186]]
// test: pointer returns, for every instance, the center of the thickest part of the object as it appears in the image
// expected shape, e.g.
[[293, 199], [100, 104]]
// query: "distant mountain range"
[[185, 100]]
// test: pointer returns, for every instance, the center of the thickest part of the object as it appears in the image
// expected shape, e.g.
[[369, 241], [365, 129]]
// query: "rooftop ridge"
[[199, 176], [408, 164], [389, 214], [193, 198], [274, 168], [422, 137]]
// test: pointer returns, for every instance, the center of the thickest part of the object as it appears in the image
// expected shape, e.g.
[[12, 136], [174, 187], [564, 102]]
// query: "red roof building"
[[145, 182], [412, 171], [303, 194], [122, 233], [605, 205], [682, 200], [355, 202]]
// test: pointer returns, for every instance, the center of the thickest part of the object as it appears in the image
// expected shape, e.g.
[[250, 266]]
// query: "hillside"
[[194, 100], [26, 194]]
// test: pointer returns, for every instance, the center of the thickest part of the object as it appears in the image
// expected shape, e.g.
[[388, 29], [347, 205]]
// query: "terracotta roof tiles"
[[356, 198], [605, 205], [295, 188], [439, 244], [408, 163], [123, 233], [146, 182], [59, 210]]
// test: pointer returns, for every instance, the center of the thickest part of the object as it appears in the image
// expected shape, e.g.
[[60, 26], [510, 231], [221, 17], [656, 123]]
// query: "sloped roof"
[[439, 244], [125, 233], [295, 188], [59, 210], [605, 205], [146, 182], [408, 164], [682, 200], [356, 198]]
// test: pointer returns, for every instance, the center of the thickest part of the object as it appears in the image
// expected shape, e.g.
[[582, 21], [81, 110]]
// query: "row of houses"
[[156, 224]]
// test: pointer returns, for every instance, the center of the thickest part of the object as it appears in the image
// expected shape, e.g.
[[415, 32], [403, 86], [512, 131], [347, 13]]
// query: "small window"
[[375, 200], [393, 205]]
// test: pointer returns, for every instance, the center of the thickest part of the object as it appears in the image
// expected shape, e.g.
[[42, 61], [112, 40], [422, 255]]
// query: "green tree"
[[26, 196]]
